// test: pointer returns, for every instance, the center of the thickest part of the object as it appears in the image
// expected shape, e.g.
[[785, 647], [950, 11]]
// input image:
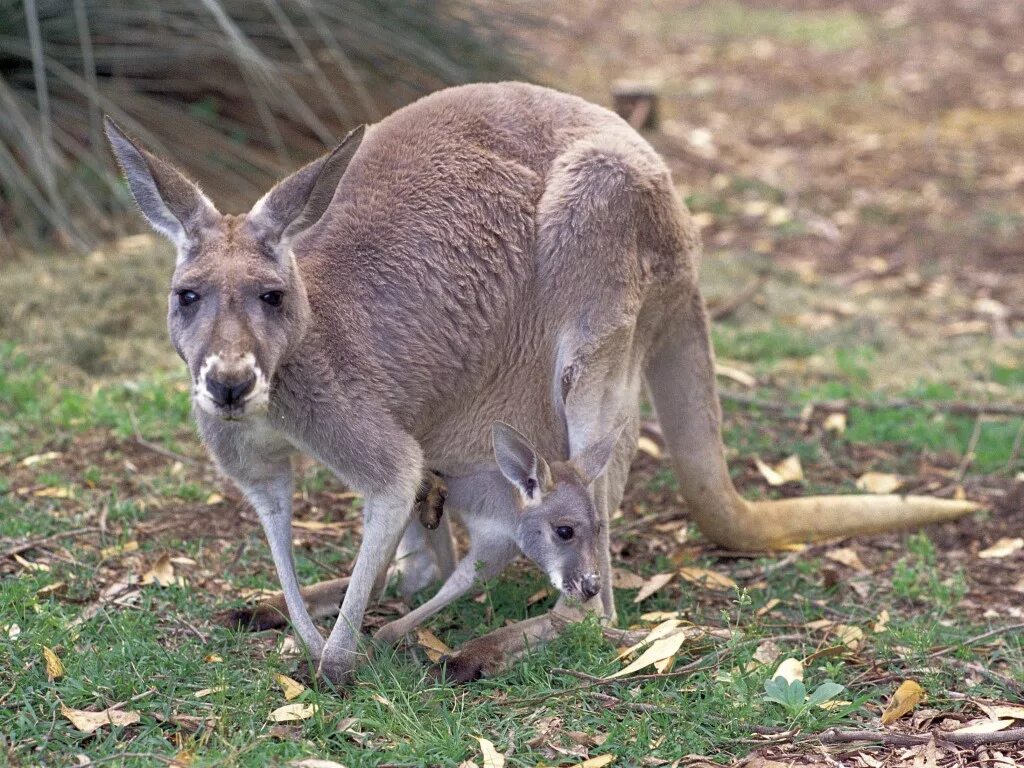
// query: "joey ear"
[[519, 462], [298, 202], [593, 460], [175, 206]]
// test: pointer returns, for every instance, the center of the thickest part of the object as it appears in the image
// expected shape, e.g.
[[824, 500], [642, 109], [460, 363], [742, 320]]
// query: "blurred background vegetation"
[[237, 91], [868, 154]]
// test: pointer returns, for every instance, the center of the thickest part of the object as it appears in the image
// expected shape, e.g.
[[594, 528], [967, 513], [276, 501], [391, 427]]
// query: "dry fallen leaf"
[[738, 375], [537, 596], [644, 444], [706, 578], [985, 726], [87, 722], [659, 650], [596, 762], [665, 628], [790, 669], [767, 652], [54, 666], [850, 636], [788, 470], [846, 556], [29, 565], [492, 757], [291, 688], [907, 696], [317, 525], [214, 498], [882, 622], [290, 712], [161, 573], [879, 482], [61, 492], [652, 585], [1002, 548], [835, 422], [213, 658], [1000, 711], [119, 549], [50, 589], [39, 458], [207, 691], [315, 762], [623, 579], [432, 644], [768, 607]]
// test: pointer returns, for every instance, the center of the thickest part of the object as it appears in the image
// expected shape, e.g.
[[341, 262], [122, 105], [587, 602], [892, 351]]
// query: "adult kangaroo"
[[490, 252]]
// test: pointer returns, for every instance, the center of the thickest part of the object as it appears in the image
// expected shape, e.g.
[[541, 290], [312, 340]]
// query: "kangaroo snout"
[[230, 392], [590, 585], [229, 387]]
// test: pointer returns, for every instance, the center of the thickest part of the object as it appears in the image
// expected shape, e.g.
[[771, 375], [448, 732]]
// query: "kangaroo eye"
[[273, 298], [565, 532], [187, 297]]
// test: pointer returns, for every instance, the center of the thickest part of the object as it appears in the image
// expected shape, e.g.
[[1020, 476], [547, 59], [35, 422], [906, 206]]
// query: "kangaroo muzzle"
[[231, 386]]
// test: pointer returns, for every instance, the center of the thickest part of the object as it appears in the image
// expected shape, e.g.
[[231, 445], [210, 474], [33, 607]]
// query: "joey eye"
[[273, 298], [564, 532], [185, 298]]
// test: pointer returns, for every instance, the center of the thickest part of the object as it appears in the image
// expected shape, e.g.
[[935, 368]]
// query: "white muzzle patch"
[[255, 400]]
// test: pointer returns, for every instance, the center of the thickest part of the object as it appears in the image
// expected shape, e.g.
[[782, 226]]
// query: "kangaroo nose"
[[230, 393], [590, 585]]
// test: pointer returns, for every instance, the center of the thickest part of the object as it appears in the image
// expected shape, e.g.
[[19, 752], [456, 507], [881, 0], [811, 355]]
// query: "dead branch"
[[726, 308], [978, 638], [40, 541], [890, 739], [149, 446], [955, 407]]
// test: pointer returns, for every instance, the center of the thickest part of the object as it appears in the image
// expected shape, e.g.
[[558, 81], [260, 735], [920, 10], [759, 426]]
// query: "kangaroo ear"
[[593, 460], [520, 463], [174, 205], [298, 202]]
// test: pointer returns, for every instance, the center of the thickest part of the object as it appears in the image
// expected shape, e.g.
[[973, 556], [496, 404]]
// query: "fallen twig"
[[610, 701], [726, 308], [972, 446], [890, 739], [977, 639], [143, 442], [791, 411], [17, 549]]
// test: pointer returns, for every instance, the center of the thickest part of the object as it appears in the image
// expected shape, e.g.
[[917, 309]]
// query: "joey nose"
[[590, 585], [228, 393]]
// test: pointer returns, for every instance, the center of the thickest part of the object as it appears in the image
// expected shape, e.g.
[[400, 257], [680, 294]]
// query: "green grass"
[[146, 652], [408, 719], [727, 20]]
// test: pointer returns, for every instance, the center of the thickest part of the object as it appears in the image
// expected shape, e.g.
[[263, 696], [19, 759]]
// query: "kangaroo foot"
[[254, 618], [471, 663]]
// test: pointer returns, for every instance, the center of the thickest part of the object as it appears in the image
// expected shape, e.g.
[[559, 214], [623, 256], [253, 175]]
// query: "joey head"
[[557, 524]]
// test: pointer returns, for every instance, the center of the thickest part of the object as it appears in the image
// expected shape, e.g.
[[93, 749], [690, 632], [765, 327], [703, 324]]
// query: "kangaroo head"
[[237, 306], [558, 525]]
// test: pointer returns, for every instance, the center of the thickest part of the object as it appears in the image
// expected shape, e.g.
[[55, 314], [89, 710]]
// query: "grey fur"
[[492, 252]]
